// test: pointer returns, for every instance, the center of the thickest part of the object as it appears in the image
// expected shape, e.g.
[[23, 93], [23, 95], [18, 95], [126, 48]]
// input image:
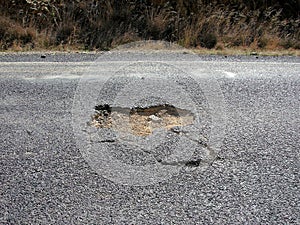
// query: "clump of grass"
[[12, 34]]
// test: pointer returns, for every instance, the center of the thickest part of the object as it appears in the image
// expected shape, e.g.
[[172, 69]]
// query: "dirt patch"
[[140, 121]]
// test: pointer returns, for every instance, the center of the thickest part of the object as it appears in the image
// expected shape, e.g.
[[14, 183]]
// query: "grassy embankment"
[[217, 26]]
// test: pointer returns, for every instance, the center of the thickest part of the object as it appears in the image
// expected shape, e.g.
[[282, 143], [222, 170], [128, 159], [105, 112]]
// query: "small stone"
[[155, 118], [28, 153], [162, 112], [176, 129]]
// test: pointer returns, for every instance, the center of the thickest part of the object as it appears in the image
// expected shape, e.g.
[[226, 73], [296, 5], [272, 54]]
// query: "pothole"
[[141, 121]]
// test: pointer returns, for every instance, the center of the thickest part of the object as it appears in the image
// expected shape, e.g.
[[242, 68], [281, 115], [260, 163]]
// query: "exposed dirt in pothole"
[[140, 121]]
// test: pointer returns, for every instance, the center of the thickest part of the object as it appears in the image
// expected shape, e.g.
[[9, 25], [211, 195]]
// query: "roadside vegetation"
[[102, 24]]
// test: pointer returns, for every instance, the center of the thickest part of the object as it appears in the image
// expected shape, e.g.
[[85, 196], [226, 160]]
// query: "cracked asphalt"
[[252, 179]]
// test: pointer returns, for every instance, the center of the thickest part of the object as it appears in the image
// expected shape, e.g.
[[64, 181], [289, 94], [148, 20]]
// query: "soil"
[[141, 121]]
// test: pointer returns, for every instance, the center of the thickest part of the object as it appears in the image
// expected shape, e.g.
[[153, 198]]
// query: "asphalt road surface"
[[241, 167]]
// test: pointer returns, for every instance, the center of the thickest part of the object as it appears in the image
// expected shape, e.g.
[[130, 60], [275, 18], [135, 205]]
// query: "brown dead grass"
[[101, 25], [15, 37]]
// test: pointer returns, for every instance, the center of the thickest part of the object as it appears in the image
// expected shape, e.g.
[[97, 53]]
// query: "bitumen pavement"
[[245, 138]]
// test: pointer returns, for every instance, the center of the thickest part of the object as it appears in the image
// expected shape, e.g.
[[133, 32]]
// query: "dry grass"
[[218, 25], [14, 36]]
